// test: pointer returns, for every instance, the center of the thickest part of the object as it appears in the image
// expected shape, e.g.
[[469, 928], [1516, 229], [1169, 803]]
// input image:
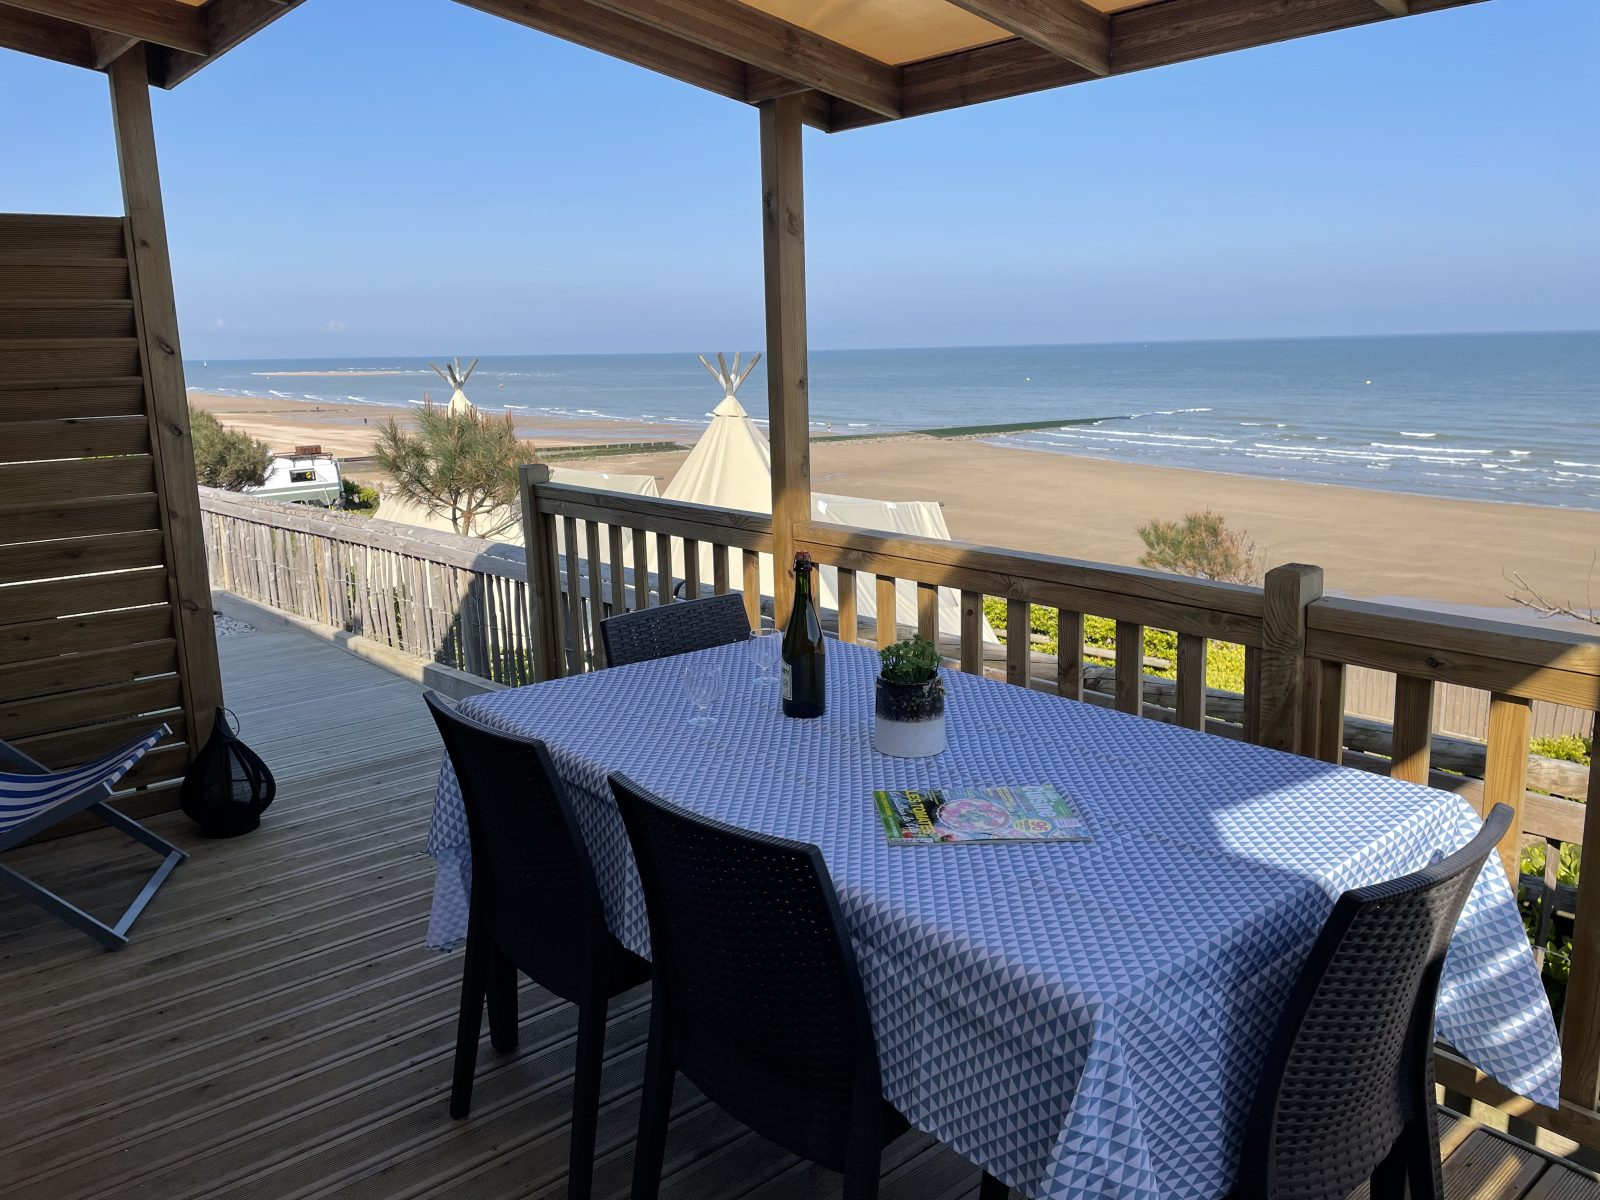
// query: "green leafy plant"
[[461, 466], [226, 458], [1569, 747], [1201, 544], [358, 497], [1224, 660], [915, 660]]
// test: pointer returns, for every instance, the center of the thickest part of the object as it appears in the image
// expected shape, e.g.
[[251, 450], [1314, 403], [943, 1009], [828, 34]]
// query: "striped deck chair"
[[33, 798]]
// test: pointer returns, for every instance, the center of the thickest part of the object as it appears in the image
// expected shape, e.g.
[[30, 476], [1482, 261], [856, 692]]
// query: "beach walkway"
[[276, 1028]]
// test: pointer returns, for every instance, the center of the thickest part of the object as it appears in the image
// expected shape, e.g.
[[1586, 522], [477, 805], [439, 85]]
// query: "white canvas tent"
[[731, 467], [452, 374]]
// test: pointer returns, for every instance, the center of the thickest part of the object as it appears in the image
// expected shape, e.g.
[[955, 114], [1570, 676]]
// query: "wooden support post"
[[166, 399], [544, 585], [848, 621], [1580, 1021], [1285, 713], [1069, 654], [972, 633], [1191, 681], [788, 402], [1505, 773], [1413, 729], [1130, 668], [1329, 682], [928, 612]]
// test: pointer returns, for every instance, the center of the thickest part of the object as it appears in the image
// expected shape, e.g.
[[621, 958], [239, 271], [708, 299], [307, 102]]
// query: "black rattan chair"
[[535, 908], [674, 629], [757, 997], [1347, 1092]]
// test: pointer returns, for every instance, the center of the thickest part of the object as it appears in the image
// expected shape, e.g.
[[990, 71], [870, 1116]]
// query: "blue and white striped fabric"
[[23, 797], [1084, 1020]]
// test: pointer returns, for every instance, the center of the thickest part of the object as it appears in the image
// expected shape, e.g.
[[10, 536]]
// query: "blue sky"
[[372, 178]]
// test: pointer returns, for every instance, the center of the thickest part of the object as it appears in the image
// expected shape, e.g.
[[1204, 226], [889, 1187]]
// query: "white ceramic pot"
[[909, 719]]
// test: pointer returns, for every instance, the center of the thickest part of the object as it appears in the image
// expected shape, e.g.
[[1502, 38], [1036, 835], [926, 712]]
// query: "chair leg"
[[992, 1189], [588, 1059], [861, 1174], [655, 1107], [469, 1025], [502, 1001]]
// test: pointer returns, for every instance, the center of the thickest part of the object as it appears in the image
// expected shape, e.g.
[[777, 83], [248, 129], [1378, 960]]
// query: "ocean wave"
[[1408, 433], [1563, 462], [1431, 449]]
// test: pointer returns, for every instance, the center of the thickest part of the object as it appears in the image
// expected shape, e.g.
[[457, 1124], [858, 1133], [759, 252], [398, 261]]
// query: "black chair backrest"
[[674, 629], [1351, 1063], [765, 1007], [533, 881]]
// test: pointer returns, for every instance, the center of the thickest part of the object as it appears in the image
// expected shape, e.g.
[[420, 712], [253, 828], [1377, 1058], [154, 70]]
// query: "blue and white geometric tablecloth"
[[1083, 1020]]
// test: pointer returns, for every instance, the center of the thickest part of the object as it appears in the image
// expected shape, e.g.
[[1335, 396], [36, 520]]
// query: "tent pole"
[[784, 258]]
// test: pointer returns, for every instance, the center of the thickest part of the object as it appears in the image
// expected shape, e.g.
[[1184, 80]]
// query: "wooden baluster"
[[641, 569], [1130, 667], [752, 587], [928, 612], [663, 568], [1252, 694], [719, 570], [887, 629], [1413, 729], [1019, 641], [1330, 711], [573, 591], [1069, 654], [544, 587], [972, 633], [555, 632], [1191, 681], [1505, 772], [619, 570], [1580, 1021], [691, 569], [597, 598], [848, 620]]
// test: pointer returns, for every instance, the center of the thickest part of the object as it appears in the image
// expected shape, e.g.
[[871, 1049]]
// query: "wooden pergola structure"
[[89, 351]]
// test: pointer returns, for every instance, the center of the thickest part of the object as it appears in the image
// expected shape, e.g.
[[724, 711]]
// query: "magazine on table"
[[972, 815]]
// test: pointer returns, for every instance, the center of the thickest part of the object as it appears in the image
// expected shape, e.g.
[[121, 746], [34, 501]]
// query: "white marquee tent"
[[731, 467]]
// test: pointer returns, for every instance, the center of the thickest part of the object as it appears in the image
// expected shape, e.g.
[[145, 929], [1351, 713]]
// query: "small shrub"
[[226, 458], [1224, 660], [359, 497], [1569, 747], [1201, 544]]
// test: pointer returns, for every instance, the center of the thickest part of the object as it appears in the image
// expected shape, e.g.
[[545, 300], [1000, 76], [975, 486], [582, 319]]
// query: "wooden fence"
[[517, 617]]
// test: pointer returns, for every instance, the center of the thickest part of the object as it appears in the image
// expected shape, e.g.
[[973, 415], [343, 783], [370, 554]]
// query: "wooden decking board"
[[277, 1029], [1488, 1167]]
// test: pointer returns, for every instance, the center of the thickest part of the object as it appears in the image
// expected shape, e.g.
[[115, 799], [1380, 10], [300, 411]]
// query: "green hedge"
[[1224, 660]]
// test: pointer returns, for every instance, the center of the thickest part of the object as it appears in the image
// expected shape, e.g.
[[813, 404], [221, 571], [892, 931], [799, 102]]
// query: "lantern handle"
[[229, 722]]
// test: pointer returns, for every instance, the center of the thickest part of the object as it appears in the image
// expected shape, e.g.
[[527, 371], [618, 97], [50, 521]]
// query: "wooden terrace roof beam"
[[586, 24], [751, 36], [1395, 8], [228, 22], [156, 21], [1068, 28], [45, 37], [1150, 36]]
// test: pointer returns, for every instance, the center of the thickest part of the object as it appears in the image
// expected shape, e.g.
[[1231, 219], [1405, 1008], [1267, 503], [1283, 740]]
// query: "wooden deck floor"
[[277, 1030]]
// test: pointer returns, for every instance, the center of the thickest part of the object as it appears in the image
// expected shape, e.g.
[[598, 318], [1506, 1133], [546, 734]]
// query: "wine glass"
[[702, 681], [766, 647]]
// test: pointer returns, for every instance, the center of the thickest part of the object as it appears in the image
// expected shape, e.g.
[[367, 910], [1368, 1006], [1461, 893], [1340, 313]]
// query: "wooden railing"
[[515, 617], [435, 596]]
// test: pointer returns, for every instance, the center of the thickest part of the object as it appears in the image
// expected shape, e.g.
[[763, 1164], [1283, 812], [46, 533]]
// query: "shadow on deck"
[[276, 1028]]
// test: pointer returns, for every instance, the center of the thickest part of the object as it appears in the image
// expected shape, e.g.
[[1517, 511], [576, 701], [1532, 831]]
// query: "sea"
[[1499, 417]]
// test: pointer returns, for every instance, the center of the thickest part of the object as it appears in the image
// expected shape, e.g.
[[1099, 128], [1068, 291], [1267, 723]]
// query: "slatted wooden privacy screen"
[[90, 650]]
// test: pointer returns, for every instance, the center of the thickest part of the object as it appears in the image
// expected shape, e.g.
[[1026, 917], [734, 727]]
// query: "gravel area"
[[228, 627]]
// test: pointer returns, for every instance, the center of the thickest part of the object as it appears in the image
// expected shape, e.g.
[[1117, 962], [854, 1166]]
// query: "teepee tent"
[[731, 467], [452, 374]]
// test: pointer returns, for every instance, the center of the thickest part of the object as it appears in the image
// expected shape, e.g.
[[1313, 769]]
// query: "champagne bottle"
[[804, 678]]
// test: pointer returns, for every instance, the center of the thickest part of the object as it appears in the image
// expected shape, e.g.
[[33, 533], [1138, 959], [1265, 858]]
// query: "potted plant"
[[910, 701]]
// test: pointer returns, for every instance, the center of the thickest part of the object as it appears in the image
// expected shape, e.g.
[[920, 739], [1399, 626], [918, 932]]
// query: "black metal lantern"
[[228, 787]]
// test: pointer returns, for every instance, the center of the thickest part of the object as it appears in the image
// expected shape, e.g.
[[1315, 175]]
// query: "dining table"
[[1081, 1019]]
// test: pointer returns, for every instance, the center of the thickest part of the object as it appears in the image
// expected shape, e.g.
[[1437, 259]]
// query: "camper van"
[[308, 476]]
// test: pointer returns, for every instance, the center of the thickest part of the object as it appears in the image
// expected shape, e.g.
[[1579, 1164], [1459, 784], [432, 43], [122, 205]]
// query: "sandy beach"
[[1375, 545]]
